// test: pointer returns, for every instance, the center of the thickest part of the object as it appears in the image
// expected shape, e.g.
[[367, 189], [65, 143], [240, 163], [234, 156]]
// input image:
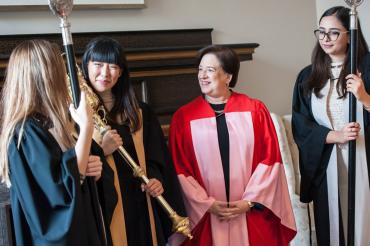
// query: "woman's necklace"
[[218, 105], [219, 112], [219, 109]]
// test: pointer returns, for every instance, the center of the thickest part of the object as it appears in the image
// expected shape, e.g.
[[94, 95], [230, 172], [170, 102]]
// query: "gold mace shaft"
[[179, 224]]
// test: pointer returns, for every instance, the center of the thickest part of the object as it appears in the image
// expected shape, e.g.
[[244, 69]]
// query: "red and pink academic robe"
[[256, 174]]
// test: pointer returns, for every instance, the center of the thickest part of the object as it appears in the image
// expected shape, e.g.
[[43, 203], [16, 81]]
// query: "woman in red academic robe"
[[227, 158]]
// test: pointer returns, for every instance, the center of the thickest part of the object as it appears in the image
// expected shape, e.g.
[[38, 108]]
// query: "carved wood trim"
[[163, 72], [164, 59], [164, 55]]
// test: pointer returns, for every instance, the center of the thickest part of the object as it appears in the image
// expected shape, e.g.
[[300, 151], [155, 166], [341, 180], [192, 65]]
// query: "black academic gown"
[[49, 205], [314, 153], [159, 166]]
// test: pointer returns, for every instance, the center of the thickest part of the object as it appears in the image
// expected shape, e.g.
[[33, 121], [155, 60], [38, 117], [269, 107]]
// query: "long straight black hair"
[[321, 61], [104, 49]]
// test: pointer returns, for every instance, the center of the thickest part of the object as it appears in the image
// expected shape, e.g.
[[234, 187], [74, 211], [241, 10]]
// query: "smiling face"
[[335, 49], [213, 80], [103, 76]]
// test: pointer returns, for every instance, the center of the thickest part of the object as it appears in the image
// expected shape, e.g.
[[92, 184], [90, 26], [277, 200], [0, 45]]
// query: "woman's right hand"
[[83, 114], [348, 133], [219, 209], [111, 141]]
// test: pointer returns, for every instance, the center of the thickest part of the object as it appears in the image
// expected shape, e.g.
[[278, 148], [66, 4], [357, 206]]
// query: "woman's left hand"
[[94, 167], [154, 187], [235, 209], [356, 86]]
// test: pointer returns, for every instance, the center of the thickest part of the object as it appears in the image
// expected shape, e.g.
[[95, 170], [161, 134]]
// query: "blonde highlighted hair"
[[35, 83]]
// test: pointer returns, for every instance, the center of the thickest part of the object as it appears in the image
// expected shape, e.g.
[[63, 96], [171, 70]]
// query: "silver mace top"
[[62, 9], [353, 3]]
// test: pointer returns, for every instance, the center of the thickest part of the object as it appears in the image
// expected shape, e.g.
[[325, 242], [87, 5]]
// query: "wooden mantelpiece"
[[162, 62]]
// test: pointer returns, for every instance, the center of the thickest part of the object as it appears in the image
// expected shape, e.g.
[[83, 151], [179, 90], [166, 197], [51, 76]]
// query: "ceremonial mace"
[[62, 9], [353, 4]]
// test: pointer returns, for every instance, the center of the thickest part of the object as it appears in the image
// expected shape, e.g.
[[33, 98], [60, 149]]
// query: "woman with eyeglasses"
[[321, 130]]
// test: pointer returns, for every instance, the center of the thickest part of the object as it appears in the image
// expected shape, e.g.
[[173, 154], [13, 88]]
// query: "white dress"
[[335, 117]]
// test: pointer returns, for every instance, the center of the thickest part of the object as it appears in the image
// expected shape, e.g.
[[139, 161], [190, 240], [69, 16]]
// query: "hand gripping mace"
[[62, 8], [352, 118]]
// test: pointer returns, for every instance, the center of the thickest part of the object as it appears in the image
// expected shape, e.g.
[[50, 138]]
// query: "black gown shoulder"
[[310, 137], [48, 204]]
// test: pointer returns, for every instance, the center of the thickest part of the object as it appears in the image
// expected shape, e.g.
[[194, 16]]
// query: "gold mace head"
[[181, 225]]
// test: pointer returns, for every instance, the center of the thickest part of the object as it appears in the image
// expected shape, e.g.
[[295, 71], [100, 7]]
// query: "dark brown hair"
[[228, 59], [321, 61]]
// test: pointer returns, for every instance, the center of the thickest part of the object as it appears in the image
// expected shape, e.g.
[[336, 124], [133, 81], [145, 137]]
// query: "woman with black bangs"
[[321, 130], [131, 216]]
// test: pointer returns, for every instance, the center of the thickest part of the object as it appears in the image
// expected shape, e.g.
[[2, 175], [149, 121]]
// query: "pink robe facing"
[[256, 174]]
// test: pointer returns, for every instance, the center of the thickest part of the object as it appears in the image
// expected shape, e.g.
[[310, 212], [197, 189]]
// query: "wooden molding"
[[162, 63], [163, 72]]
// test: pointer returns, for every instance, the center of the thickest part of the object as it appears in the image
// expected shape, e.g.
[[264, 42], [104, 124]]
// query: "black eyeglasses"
[[332, 35]]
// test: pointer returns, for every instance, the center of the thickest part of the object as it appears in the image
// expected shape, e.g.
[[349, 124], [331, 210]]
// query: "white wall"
[[363, 13], [282, 28]]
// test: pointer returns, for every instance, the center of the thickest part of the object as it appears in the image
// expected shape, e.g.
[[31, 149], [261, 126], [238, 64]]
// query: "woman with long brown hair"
[[39, 159], [322, 131]]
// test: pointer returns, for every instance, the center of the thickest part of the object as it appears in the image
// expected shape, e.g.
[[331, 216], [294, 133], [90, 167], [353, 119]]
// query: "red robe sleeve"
[[274, 224]]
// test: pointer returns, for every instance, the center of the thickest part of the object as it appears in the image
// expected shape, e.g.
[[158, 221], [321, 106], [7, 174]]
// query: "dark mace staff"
[[353, 4], [62, 9]]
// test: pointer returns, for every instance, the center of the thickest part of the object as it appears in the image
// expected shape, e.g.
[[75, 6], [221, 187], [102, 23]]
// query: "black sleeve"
[[310, 137], [365, 71], [154, 144], [45, 184], [107, 193]]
